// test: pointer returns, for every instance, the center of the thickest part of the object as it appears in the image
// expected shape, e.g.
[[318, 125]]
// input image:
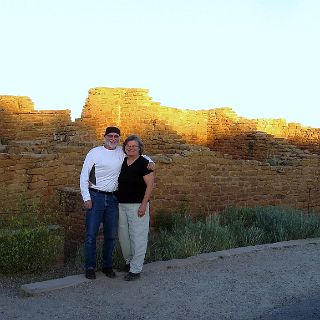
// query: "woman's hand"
[[142, 210], [149, 181]]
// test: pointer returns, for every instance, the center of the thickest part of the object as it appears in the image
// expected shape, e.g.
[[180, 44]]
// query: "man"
[[98, 184]]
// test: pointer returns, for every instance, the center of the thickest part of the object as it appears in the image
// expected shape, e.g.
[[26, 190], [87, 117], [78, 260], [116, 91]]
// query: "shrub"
[[282, 224], [250, 226], [28, 249], [186, 238], [164, 220], [180, 236], [168, 220], [28, 241]]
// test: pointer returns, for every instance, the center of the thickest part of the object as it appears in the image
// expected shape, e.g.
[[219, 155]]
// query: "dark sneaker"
[[90, 274], [109, 272], [124, 268], [132, 276]]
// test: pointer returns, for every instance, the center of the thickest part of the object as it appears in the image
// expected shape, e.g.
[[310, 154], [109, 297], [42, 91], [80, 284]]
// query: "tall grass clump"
[[281, 224], [177, 235], [250, 226], [242, 227], [185, 237], [181, 236]]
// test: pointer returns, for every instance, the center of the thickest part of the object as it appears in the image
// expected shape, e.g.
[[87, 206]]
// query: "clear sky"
[[259, 57]]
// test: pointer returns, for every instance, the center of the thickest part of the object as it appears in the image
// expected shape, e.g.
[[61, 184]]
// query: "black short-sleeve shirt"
[[131, 186]]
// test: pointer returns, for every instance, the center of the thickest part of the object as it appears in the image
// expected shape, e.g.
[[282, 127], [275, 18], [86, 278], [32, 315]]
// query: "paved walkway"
[[273, 281]]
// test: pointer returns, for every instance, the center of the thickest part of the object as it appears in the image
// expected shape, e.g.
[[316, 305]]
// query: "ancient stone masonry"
[[19, 120], [206, 159], [164, 130], [16, 104], [258, 139]]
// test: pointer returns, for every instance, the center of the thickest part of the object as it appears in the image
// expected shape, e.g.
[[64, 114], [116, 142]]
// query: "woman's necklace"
[[131, 161]]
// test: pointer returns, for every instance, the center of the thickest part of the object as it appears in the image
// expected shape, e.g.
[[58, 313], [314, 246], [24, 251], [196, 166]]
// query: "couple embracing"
[[116, 183]]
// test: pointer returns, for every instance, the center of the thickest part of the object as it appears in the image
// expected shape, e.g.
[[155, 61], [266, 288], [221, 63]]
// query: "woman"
[[135, 184]]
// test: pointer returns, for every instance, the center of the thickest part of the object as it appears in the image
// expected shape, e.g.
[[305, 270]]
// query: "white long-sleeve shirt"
[[102, 168], [106, 166]]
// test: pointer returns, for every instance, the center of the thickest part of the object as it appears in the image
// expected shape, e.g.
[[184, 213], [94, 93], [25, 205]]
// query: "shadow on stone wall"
[[249, 163]]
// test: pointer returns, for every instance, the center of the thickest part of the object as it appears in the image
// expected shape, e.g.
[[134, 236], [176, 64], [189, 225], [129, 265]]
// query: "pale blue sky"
[[259, 57]]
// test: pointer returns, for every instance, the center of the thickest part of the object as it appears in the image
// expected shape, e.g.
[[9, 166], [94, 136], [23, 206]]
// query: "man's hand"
[[87, 204], [151, 166]]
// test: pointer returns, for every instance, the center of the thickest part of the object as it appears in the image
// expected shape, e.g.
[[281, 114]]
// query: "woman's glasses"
[[131, 146]]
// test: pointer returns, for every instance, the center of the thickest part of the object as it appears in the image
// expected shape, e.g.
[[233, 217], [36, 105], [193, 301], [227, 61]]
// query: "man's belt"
[[103, 192]]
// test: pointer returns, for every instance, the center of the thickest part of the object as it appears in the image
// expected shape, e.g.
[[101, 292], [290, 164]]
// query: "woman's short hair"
[[136, 138]]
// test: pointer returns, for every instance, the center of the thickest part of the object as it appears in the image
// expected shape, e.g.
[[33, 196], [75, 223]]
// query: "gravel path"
[[274, 281]]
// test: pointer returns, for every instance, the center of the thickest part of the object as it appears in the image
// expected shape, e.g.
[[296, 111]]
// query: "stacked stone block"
[[163, 129], [16, 104], [251, 162], [258, 139], [19, 120]]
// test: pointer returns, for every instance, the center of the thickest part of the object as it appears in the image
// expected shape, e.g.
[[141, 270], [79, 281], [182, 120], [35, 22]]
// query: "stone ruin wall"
[[206, 160], [257, 139], [204, 182], [162, 128], [219, 129], [20, 122], [46, 149], [208, 182]]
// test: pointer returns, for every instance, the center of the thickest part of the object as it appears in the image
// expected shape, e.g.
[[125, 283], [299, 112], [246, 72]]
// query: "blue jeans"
[[104, 210]]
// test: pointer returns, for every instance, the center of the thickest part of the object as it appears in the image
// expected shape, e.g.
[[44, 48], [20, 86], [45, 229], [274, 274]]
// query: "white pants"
[[133, 235]]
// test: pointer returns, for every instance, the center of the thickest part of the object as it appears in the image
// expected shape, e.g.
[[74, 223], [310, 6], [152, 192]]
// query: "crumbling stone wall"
[[162, 129], [19, 120], [206, 159], [165, 129], [44, 156], [16, 104], [207, 181], [204, 182], [244, 138], [36, 175]]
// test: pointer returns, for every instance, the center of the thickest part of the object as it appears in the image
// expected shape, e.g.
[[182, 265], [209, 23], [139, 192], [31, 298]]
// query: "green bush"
[[250, 226], [281, 224], [28, 250], [168, 220], [234, 227], [193, 238], [180, 236], [244, 216], [164, 220], [28, 242]]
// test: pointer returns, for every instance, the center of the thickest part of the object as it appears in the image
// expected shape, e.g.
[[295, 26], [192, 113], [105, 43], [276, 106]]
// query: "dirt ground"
[[273, 281]]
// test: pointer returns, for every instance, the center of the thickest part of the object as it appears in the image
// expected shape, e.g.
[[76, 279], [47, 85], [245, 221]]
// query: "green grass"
[[234, 227], [180, 236], [30, 240], [177, 235], [27, 250]]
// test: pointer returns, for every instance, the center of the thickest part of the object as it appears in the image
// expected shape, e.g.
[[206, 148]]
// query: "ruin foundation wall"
[[206, 160]]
